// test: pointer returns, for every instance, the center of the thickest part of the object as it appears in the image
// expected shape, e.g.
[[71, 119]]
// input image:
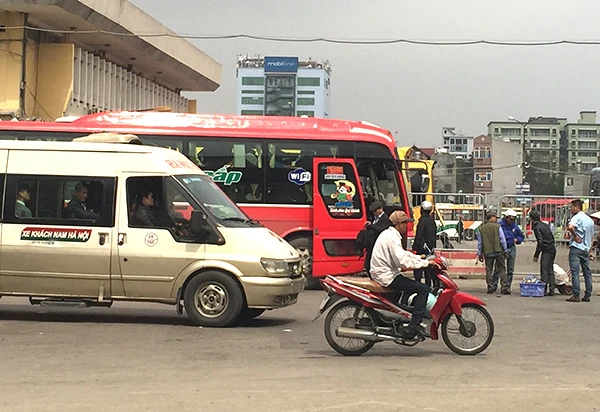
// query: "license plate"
[[324, 302]]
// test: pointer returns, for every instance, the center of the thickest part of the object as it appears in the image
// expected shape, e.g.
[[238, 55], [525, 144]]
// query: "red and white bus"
[[309, 180]]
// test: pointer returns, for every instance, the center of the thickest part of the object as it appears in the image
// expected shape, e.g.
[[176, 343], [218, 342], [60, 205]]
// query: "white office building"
[[283, 86]]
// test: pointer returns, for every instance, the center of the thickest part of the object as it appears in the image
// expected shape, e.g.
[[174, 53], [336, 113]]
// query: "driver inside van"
[[77, 208]]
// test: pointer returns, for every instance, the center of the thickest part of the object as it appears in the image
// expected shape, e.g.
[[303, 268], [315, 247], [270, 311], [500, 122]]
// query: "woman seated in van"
[[77, 208], [143, 216]]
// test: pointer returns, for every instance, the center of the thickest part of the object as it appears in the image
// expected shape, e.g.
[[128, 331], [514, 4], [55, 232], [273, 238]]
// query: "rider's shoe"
[[415, 331]]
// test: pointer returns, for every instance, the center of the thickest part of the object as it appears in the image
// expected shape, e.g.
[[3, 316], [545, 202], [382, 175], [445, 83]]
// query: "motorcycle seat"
[[365, 283]]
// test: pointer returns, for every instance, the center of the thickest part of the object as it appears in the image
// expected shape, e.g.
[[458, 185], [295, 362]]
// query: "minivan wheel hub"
[[211, 300]]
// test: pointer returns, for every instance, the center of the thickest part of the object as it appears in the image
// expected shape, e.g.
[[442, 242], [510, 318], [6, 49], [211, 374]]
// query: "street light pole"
[[524, 164]]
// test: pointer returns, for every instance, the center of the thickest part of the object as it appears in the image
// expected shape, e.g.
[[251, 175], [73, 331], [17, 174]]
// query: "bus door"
[[338, 215]]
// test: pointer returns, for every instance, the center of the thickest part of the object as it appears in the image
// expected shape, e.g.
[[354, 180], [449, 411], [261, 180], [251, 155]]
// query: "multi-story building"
[[582, 148], [482, 164], [540, 135], [283, 86], [496, 167], [444, 173], [456, 143]]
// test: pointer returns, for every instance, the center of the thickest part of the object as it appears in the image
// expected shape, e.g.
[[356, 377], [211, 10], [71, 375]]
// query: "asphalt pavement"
[[143, 357]]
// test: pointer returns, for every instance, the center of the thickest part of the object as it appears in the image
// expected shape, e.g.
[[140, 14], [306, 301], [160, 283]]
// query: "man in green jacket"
[[491, 246]]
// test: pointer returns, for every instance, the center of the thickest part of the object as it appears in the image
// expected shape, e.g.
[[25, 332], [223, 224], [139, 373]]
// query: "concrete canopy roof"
[[170, 61]]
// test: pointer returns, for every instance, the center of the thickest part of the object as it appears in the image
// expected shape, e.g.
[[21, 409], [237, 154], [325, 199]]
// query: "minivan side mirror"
[[199, 224]]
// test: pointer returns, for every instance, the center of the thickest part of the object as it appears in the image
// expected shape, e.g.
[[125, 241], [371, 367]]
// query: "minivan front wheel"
[[213, 299]]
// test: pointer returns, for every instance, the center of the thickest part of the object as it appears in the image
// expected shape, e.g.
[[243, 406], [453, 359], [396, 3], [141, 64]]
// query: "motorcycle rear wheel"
[[450, 331], [344, 313]]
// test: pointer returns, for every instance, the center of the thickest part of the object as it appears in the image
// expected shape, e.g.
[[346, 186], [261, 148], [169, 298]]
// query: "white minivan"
[[91, 223]]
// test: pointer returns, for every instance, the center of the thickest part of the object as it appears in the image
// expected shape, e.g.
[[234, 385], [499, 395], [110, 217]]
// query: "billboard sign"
[[281, 64]]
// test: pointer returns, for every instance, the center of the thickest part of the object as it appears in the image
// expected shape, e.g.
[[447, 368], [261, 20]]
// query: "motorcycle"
[[363, 313]]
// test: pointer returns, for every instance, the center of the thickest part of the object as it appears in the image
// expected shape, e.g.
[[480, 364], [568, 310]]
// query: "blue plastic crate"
[[535, 290]]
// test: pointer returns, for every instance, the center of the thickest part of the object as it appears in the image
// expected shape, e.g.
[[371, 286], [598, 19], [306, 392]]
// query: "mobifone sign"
[[281, 64]]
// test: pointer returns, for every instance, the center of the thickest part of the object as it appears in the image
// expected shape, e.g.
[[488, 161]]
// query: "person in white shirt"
[[388, 261]]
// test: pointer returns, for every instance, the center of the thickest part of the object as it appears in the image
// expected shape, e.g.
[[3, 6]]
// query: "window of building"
[[309, 81], [588, 154], [573, 132], [511, 132], [253, 100], [553, 132], [482, 152], [540, 132], [253, 112], [305, 113], [588, 145], [483, 176], [253, 81], [60, 200], [306, 101], [588, 134], [305, 92], [495, 130]]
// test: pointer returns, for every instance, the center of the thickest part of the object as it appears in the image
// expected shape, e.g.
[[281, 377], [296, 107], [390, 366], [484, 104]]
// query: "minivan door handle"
[[121, 239], [102, 238]]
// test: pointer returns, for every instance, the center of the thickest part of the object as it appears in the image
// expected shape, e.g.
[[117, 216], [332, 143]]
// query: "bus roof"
[[186, 124]]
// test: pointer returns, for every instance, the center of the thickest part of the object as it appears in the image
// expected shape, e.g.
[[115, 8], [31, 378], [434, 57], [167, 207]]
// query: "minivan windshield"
[[208, 194]]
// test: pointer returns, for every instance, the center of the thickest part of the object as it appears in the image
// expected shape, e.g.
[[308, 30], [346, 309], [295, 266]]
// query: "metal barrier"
[[458, 246], [554, 211]]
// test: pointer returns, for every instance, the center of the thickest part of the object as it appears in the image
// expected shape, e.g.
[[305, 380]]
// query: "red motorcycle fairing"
[[458, 300]]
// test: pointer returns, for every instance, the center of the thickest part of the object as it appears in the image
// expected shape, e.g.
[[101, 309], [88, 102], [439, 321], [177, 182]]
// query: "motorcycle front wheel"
[[473, 335], [349, 314]]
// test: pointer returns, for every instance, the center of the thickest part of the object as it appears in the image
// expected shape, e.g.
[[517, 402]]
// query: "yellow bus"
[[418, 172]]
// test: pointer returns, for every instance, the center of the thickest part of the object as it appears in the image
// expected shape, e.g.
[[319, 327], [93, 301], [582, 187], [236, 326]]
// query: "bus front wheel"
[[303, 246]]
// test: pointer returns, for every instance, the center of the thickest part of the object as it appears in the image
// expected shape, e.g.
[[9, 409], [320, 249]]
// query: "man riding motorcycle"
[[387, 262]]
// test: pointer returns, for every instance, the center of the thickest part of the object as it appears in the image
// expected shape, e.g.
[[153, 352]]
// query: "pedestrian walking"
[[545, 247], [581, 228], [491, 247], [460, 229], [514, 236], [425, 240]]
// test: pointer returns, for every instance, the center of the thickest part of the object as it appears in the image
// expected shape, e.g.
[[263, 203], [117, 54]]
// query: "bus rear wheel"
[[303, 246]]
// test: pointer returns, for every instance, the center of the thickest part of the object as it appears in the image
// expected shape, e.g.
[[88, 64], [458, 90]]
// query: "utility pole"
[[524, 164]]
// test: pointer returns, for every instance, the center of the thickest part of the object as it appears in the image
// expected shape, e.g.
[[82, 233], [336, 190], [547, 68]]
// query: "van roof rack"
[[109, 138]]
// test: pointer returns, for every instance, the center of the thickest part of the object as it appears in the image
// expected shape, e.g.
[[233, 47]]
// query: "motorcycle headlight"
[[275, 267]]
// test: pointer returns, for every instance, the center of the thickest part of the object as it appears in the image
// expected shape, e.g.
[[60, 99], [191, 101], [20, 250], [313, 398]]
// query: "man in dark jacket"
[[425, 239], [77, 208], [373, 229], [143, 216], [545, 246]]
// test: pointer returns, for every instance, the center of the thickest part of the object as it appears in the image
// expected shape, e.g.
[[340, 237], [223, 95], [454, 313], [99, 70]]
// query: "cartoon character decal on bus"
[[345, 191]]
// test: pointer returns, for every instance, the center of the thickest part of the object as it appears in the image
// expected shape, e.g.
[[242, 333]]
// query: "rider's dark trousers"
[[409, 286]]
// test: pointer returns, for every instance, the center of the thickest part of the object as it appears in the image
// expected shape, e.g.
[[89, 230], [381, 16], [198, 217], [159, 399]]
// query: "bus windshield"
[[208, 194]]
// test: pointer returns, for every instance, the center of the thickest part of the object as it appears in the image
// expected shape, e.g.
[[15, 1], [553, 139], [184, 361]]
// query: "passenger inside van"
[[77, 208], [143, 215], [23, 196]]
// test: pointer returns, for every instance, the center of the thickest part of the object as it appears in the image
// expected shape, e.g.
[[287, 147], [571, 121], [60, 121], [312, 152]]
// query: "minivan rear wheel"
[[213, 299]]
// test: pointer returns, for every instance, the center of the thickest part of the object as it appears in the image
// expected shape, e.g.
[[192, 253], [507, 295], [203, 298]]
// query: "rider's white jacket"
[[389, 257]]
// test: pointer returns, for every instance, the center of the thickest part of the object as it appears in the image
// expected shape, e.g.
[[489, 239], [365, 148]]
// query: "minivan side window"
[[75, 201], [158, 202]]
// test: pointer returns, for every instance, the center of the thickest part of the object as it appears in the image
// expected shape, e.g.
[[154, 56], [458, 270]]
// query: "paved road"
[[545, 357]]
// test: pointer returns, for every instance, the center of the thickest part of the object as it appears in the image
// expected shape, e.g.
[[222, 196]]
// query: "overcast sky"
[[412, 90]]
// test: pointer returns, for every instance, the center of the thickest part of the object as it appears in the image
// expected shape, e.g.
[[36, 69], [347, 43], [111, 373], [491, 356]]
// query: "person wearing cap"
[[491, 247], [545, 246], [23, 195], [581, 228], [425, 239], [380, 222], [388, 261], [514, 236]]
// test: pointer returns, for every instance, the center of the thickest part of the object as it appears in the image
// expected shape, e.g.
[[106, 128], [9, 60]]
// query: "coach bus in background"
[[309, 180]]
